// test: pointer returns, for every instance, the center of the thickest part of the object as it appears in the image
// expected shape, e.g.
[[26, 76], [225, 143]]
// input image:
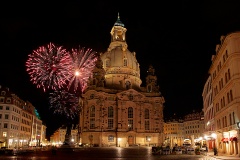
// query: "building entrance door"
[[130, 140]]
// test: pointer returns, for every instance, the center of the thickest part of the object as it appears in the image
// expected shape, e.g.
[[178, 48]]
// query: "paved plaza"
[[110, 153]]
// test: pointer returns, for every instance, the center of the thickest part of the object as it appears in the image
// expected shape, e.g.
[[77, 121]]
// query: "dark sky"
[[177, 37]]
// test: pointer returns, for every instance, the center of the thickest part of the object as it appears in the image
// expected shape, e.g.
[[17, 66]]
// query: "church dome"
[[121, 66]]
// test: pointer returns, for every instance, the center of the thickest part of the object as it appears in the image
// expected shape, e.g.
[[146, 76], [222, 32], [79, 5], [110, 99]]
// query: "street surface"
[[108, 153]]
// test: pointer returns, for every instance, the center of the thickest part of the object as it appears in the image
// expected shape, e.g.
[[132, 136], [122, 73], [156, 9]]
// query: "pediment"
[[130, 95]]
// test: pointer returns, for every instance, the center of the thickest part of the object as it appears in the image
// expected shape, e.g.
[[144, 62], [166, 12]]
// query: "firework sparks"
[[64, 103], [49, 67], [83, 62]]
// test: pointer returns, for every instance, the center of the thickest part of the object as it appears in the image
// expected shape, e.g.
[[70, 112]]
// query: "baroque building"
[[115, 109]]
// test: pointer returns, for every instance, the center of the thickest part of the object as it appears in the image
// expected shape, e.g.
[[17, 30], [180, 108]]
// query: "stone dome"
[[121, 66]]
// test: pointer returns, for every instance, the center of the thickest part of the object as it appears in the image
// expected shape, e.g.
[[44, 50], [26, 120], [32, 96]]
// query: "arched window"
[[125, 62]]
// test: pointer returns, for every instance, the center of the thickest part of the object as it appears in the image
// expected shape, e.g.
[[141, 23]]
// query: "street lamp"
[[119, 141], [148, 139]]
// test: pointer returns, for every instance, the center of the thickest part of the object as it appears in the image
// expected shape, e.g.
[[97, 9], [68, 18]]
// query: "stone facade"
[[225, 74]]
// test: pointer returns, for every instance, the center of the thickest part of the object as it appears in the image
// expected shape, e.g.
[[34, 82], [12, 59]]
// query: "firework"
[[83, 62], [64, 103], [49, 67]]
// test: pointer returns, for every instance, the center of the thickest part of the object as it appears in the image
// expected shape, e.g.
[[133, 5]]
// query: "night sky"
[[177, 37]]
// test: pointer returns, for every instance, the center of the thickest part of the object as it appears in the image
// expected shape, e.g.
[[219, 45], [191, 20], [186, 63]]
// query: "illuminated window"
[[4, 134], [148, 138], [130, 124], [110, 138]]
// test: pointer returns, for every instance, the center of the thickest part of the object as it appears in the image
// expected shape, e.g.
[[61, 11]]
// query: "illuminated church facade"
[[115, 109]]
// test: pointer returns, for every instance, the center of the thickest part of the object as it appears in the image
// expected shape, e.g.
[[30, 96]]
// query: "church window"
[[130, 118], [92, 111], [130, 124], [110, 123], [149, 88], [125, 62], [3, 93], [110, 112], [92, 123], [107, 63], [146, 113], [147, 125], [130, 112], [110, 117], [130, 97], [128, 84], [110, 138]]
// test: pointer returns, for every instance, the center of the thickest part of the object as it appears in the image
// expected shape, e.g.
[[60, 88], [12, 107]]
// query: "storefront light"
[[214, 135]]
